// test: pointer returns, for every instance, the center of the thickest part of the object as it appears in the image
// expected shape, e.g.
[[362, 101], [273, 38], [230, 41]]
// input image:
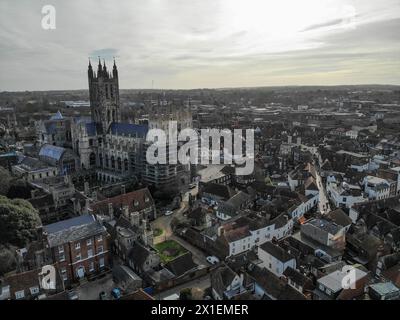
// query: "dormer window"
[[146, 199], [136, 203]]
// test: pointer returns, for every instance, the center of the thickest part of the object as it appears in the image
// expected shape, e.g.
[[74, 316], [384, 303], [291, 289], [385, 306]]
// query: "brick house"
[[79, 247]]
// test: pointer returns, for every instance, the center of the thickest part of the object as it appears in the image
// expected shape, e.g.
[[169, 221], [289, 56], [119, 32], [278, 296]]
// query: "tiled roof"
[[135, 200]]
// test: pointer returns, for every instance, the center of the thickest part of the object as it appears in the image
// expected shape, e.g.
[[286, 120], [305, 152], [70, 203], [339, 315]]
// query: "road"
[[197, 285], [164, 223], [323, 205]]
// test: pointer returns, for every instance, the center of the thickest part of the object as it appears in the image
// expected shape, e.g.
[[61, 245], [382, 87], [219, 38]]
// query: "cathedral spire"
[[99, 69], [115, 71], [90, 70]]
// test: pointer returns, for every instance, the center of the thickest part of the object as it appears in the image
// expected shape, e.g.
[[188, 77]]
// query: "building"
[[117, 150], [62, 158], [275, 259], [377, 188], [79, 247], [55, 131]]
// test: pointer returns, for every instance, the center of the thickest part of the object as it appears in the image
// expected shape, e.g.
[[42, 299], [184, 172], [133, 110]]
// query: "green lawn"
[[169, 250], [158, 232]]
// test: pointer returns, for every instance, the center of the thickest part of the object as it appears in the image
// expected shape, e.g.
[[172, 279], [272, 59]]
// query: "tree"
[[18, 221], [19, 189], [5, 179], [7, 260]]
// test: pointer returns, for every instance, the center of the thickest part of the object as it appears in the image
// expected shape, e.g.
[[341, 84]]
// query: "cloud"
[[208, 43], [330, 23]]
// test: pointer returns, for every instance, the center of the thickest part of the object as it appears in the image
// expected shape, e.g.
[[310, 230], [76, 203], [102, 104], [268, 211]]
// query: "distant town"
[[317, 219]]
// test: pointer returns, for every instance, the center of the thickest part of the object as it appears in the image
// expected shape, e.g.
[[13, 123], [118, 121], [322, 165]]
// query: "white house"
[[344, 194], [376, 188], [275, 258]]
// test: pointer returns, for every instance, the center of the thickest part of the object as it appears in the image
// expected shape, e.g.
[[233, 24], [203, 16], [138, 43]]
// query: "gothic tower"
[[104, 95]]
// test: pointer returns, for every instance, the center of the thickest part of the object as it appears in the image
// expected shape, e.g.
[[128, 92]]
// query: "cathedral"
[[116, 150]]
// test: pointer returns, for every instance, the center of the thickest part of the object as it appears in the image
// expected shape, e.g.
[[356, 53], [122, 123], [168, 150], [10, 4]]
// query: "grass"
[[169, 250], [158, 232]]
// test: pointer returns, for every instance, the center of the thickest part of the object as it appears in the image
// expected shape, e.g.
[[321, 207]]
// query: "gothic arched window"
[[112, 162], [126, 165], [119, 164], [107, 164]]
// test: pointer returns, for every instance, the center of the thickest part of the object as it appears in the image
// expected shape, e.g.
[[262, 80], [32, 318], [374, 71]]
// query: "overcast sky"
[[201, 43]]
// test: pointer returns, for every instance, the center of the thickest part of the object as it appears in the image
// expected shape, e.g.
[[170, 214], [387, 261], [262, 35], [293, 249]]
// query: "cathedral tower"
[[104, 95]]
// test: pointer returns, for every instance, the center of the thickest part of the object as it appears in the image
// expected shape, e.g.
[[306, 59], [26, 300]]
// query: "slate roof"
[[51, 151], [221, 278], [217, 189], [139, 254], [276, 251], [77, 228], [128, 129], [57, 116], [339, 217], [296, 276], [182, 264]]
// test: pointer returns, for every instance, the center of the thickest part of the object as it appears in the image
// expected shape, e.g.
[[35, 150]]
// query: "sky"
[[182, 44]]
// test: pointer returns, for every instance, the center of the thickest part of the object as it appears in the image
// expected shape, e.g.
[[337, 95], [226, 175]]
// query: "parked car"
[[212, 259], [168, 212], [116, 293], [73, 295]]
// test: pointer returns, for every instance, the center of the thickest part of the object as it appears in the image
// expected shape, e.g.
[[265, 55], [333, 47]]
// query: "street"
[[323, 204]]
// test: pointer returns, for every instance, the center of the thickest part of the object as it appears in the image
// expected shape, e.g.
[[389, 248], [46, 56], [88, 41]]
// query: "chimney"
[[110, 210], [123, 189], [94, 195], [126, 210], [87, 206]]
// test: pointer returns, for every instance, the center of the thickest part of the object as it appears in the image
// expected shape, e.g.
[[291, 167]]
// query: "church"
[[113, 149]]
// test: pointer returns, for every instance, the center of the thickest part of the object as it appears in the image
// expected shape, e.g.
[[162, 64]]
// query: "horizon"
[[220, 88]]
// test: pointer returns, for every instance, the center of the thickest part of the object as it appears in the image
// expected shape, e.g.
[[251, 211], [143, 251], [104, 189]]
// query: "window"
[[100, 249], [101, 262], [60, 249], [77, 246], [34, 290], [90, 253], [78, 256], [61, 257], [20, 294], [64, 274], [99, 238], [89, 242], [91, 266]]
